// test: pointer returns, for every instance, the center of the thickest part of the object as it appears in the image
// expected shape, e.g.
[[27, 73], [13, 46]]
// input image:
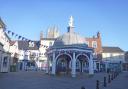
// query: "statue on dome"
[[71, 21]]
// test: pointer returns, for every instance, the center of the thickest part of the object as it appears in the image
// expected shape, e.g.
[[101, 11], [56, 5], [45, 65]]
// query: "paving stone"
[[39, 80]]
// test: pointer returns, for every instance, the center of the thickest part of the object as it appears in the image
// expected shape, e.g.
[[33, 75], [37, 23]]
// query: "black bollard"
[[82, 87], [112, 76], [109, 78], [97, 84], [116, 73], [105, 83]]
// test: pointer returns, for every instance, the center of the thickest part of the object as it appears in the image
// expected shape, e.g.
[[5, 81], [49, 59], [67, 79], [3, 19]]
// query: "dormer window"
[[31, 44]]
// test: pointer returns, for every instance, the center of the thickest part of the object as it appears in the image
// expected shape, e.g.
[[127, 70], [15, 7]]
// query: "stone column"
[[106, 66], [99, 66], [91, 70], [47, 69], [74, 66], [53, 64], [94, 65], [8, 63], [83, 66]]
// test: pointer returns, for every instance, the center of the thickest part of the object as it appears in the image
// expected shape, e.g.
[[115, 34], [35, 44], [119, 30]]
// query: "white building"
[[14, 52], [29, 55], [45, 43], [5, 56], [111, 56]]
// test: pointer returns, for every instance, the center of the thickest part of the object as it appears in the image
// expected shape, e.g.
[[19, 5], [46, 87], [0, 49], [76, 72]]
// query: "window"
[[87, 42], [31, 44], [95, 55], [5, 62], [111, 55], [50, 43], [94, 44]]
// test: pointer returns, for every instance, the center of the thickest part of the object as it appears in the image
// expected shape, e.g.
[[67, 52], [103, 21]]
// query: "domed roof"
[[69, 38]]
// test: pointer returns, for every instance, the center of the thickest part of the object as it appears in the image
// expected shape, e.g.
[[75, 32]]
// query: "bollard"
[[82, 87], [112, 76], [116, 74], [105, 83], [109, 78], [97, 84]]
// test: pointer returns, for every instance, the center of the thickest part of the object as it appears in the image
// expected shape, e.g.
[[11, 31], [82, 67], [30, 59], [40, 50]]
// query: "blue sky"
[[29, 17]]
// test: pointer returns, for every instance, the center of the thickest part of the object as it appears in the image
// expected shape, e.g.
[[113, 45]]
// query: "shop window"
[[5, 62]]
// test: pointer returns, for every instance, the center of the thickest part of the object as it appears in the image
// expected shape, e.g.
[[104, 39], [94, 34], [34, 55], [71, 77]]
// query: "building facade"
[[5, 55], [113, 54], [112, 57], [29, 55], [96, 43]]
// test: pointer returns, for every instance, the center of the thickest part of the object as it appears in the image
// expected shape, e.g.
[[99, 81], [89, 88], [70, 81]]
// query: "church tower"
[[53, 32]]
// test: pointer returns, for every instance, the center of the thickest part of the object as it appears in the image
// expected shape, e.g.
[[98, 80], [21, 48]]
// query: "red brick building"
[[96, 43]]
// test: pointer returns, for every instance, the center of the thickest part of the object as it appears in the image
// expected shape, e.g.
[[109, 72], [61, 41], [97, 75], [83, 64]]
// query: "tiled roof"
[[24, 45], [12, 43], [69, 38], [112, 50]]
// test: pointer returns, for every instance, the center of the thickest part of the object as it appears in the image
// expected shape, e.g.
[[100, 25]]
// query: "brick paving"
[[39, 80]]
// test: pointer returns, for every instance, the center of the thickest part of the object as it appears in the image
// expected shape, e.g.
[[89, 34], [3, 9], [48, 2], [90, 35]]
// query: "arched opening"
[[63, 64], [82, 63]]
